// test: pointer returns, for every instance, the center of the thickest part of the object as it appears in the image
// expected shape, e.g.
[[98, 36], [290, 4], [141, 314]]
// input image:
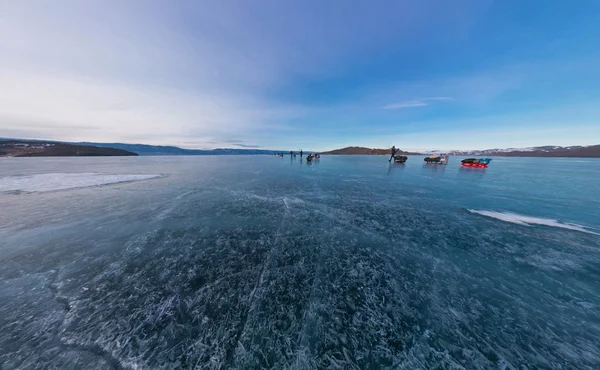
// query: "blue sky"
[[433, 74]]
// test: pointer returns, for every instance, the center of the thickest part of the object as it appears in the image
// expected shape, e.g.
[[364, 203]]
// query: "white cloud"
[[73, 109], [121, 72], [191, 72], [200, 74], [415, 103]]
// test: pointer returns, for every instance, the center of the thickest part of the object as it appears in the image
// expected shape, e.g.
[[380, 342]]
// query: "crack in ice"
[[94, 349], [230, 357]]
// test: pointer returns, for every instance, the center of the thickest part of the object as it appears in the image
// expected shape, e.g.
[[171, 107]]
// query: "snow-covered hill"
[[539, 151]]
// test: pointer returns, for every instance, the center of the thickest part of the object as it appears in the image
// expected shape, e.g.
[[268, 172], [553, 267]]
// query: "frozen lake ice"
[[261, 262]]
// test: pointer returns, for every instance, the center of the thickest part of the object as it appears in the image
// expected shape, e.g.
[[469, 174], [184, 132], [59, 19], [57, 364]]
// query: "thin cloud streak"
[[415, 103]]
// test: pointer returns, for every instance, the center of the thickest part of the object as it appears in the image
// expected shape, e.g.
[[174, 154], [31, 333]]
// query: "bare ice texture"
[[62, 181], [269, 263]]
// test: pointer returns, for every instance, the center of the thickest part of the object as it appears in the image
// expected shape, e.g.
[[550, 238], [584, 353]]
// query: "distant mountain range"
[[56, 148], [23, 148], [592, 151], [146, 150], [540, 151], [143, 149]]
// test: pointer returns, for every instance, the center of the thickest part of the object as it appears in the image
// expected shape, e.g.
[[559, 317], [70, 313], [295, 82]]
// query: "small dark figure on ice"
[[394, 151]]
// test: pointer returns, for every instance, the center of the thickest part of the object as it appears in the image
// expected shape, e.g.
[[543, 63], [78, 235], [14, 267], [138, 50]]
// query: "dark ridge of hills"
[[56, 148], [357, 150], [24, 148], [143, 149]]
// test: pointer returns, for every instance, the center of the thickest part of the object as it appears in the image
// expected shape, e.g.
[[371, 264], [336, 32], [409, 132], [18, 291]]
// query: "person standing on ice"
[[394, 151]]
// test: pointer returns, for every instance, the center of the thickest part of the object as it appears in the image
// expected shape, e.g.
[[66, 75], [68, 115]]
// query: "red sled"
[[475, 165]]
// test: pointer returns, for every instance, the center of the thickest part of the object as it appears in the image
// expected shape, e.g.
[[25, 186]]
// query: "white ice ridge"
[[516, 218], [62, 181]]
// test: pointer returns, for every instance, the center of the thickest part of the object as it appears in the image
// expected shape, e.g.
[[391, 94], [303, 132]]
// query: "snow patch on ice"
[[62, 181], [518, 219]]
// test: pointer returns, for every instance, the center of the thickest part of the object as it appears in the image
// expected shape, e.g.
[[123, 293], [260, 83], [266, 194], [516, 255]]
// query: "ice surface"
[[516, 218], [62, 181], [269, 263]]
